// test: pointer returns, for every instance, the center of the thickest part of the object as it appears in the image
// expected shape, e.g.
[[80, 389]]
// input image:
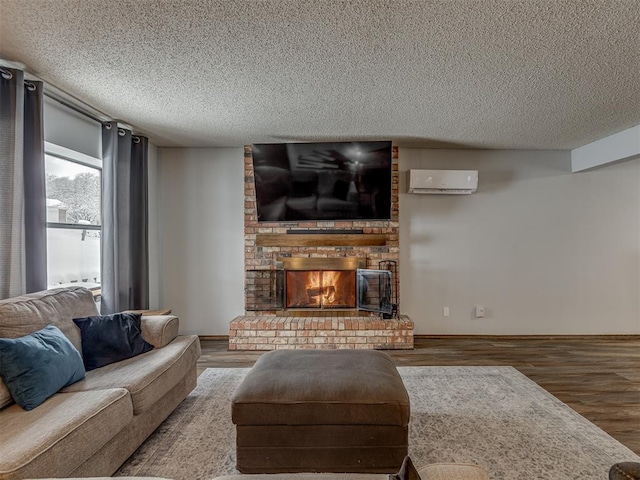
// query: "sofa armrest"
[[625, 471], [160, 330]]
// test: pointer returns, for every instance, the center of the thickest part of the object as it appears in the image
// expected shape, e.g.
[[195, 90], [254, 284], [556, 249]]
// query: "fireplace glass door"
[[324, 289], [374, 291]]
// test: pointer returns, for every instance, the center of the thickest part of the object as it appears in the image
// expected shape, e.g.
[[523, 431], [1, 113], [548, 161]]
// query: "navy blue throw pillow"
[[36, 366], [110, 338]]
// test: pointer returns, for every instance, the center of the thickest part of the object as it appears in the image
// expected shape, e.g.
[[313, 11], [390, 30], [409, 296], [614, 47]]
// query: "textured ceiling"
[[541, 74]]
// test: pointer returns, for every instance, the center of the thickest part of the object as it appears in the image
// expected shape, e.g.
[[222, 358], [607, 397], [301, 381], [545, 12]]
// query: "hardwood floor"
[[599, 377]]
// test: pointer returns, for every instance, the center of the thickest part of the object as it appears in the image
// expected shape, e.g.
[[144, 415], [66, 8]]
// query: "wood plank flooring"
[[599, 377]]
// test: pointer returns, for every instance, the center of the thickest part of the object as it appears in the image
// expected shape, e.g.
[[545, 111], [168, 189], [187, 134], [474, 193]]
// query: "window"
[[73, 185]]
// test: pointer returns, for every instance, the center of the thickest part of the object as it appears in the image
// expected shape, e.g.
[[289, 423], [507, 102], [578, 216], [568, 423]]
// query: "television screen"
[[323, 181]]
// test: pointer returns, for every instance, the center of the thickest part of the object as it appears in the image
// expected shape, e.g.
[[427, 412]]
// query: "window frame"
[[73, 156]]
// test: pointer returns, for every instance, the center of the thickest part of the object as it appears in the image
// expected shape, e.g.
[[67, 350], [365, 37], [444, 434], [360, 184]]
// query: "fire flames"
[[322, 284], [321, 289]]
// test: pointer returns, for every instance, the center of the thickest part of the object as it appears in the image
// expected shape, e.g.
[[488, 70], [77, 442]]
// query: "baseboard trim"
[[621, 336]]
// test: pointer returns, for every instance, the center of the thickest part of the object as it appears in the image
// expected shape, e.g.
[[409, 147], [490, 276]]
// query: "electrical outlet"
[[445, 311], [479, 311]]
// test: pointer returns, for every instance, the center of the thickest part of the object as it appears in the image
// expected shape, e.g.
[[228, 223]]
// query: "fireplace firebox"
[[320, 289], [322, 284]]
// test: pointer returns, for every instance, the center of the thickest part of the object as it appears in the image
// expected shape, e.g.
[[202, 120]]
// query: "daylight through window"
[[73, 182]]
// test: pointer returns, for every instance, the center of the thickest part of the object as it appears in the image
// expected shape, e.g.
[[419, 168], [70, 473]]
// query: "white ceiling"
[[529, 74]]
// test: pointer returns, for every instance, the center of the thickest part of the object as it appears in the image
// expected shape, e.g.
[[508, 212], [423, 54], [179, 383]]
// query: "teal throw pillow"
[[36, 366], [110, 338]]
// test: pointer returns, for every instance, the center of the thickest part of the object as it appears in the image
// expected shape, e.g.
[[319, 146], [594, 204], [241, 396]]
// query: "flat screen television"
[[322, 181]]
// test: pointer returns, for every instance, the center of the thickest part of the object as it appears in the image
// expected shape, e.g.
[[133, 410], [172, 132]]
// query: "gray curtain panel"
[[35, 196], [23, 260], [125, 268]]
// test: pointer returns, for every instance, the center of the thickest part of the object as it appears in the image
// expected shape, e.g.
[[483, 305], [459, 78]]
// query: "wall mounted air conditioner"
[[451, 182]]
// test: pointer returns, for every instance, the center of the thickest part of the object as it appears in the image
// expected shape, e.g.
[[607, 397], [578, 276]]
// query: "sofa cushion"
[[5, 396], [28, 313], [452, 471], [407, 471], [147, 377], [110, 338], [63, 432], [36, 366]]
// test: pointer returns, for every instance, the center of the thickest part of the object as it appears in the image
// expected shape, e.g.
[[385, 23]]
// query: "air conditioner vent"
[[443, 182]]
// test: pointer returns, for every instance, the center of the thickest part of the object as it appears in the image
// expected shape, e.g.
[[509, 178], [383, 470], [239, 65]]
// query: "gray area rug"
[[491, 416]]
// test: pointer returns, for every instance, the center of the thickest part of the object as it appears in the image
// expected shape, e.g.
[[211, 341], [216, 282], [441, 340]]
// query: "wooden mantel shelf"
[[320, 240]]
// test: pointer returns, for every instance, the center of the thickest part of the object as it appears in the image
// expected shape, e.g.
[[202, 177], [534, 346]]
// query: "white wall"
[[201, 236], [544, 251]]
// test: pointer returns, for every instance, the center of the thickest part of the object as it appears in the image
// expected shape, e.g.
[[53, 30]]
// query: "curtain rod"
[[58, 94], [74, 104], [64, 98], [82, 108], [79, 106]]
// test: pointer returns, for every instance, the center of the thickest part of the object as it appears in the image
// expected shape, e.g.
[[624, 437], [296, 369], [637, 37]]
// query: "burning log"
[[328, 292]]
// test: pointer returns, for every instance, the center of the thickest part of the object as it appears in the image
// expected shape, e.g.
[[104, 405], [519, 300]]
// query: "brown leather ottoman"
[[321, 411]]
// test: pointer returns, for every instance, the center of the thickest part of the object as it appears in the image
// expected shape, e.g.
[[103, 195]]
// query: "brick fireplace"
[[301, 281]]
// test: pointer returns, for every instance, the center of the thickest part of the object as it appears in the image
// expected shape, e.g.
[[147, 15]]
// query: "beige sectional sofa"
[[91, 427]]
